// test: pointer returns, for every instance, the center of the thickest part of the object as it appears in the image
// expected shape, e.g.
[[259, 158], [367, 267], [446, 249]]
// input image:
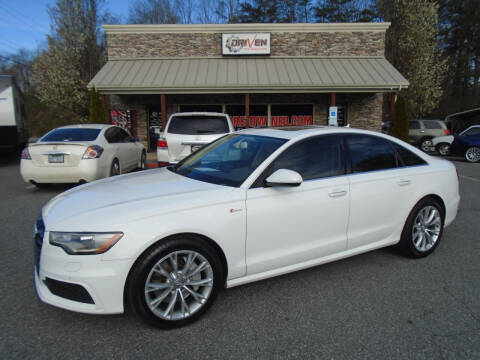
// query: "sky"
[[25, 23]]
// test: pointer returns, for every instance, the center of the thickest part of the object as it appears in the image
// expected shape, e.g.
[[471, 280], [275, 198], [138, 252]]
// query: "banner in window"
[[291, 115], [258, 115], [125, 119]]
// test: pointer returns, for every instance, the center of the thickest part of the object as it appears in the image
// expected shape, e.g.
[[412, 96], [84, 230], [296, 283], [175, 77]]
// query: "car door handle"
[[404, 182], [422, 131], [337, 193]]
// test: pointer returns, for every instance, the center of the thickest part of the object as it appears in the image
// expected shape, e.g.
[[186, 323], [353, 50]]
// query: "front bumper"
[[86, 170], [103, 280]]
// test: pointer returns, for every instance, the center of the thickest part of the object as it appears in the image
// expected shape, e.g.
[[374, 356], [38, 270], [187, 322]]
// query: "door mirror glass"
[[284, 177]]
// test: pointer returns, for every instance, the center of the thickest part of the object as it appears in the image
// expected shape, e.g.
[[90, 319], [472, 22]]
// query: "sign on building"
[[332, 116], [246, 44]]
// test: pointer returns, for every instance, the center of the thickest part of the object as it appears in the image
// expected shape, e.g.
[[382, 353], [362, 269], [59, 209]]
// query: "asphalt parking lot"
[[377, 305]]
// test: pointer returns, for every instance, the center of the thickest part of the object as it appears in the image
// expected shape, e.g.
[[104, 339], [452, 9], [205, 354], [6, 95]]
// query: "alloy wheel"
[[425, 145], [115, 169], [473, 154], [426, 228], [444, 149], [179, 285]]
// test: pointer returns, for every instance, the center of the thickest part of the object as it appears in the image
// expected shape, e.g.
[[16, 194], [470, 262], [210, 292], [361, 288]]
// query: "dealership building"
[[260, 74]]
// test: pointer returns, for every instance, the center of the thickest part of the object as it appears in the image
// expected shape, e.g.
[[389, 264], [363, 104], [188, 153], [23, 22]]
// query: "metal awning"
[[248, 75]]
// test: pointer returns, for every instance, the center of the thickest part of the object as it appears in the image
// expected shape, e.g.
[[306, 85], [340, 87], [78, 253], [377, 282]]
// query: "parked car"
[[188, 132], [467, 144], [421, 132], [167, 240], [81, 153], [442, 143]]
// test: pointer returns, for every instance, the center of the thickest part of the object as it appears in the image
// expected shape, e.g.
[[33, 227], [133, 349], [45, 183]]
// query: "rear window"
[[406, 157], [432, 125], [197, 125], [413, 125], [72, 135]]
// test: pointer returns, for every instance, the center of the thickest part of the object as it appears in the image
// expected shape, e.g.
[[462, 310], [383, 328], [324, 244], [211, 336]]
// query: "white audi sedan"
[[81, 153], [251, 205]]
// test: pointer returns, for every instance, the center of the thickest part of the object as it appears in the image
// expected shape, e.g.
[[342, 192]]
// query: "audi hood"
[[107, 204]]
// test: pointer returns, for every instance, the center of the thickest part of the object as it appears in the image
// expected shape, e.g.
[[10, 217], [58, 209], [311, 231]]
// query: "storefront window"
[[154, 127], [125, 119], [201, 108], [258, 115], [292, 115], [342, 116]]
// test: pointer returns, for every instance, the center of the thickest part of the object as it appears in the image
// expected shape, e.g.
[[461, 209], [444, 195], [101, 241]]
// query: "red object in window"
[[447, 132], [162, 143]]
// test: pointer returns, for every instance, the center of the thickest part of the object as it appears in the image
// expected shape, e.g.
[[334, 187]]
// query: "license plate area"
[[56, 158], [196, 147]]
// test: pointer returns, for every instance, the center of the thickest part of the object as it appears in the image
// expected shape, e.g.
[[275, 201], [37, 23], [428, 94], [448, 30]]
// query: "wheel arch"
[[210, 242], [436, 198]]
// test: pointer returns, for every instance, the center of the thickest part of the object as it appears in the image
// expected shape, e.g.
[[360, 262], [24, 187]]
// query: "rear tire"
[[472, 154], [426, 144], [443, 149], [166, 287], [423, 229], [115, 168]]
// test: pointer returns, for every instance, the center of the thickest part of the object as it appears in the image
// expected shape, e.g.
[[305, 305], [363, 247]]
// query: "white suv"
[[188, 132]]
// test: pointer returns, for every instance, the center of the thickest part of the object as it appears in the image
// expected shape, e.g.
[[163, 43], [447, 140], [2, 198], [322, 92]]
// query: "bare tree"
[[153, 12]]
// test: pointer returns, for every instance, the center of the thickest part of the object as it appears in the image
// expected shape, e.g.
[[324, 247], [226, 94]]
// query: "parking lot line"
[[469, 178]]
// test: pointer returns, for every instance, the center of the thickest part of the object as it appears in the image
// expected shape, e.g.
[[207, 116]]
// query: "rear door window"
[[406, 157], [198, 125], [113, 135], [432, 125], [370, 153], [72, 134], [413, 125], [472, 132]]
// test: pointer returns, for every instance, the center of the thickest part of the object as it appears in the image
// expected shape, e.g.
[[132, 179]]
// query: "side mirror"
[[284, 177], [134, 139]]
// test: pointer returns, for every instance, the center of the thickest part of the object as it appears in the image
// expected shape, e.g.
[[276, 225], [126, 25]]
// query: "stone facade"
[[148, 45]]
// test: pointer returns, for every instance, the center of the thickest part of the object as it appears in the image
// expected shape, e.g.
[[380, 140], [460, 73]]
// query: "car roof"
[[85, 126], [193, 113], [293, 132]]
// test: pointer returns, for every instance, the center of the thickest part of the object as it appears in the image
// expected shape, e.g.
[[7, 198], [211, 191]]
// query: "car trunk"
[[60, 154], [180, 145]]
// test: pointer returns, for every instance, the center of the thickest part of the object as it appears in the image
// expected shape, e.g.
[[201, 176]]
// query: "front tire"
[[426, 144], [115, 168], [472, 154], [423, 229], [173, 283], [143, 160]]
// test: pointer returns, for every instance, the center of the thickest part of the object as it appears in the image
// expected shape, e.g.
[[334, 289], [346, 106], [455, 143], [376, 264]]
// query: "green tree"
[[98, 111], [259, 11], [412, 47], [399, 123], [459, 34], [346, 11]]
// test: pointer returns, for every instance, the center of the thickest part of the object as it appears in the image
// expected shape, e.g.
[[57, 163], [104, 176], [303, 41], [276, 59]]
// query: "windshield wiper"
[[205, 131]]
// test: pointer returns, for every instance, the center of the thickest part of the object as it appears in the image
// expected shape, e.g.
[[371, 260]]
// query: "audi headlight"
[[84, 243]]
